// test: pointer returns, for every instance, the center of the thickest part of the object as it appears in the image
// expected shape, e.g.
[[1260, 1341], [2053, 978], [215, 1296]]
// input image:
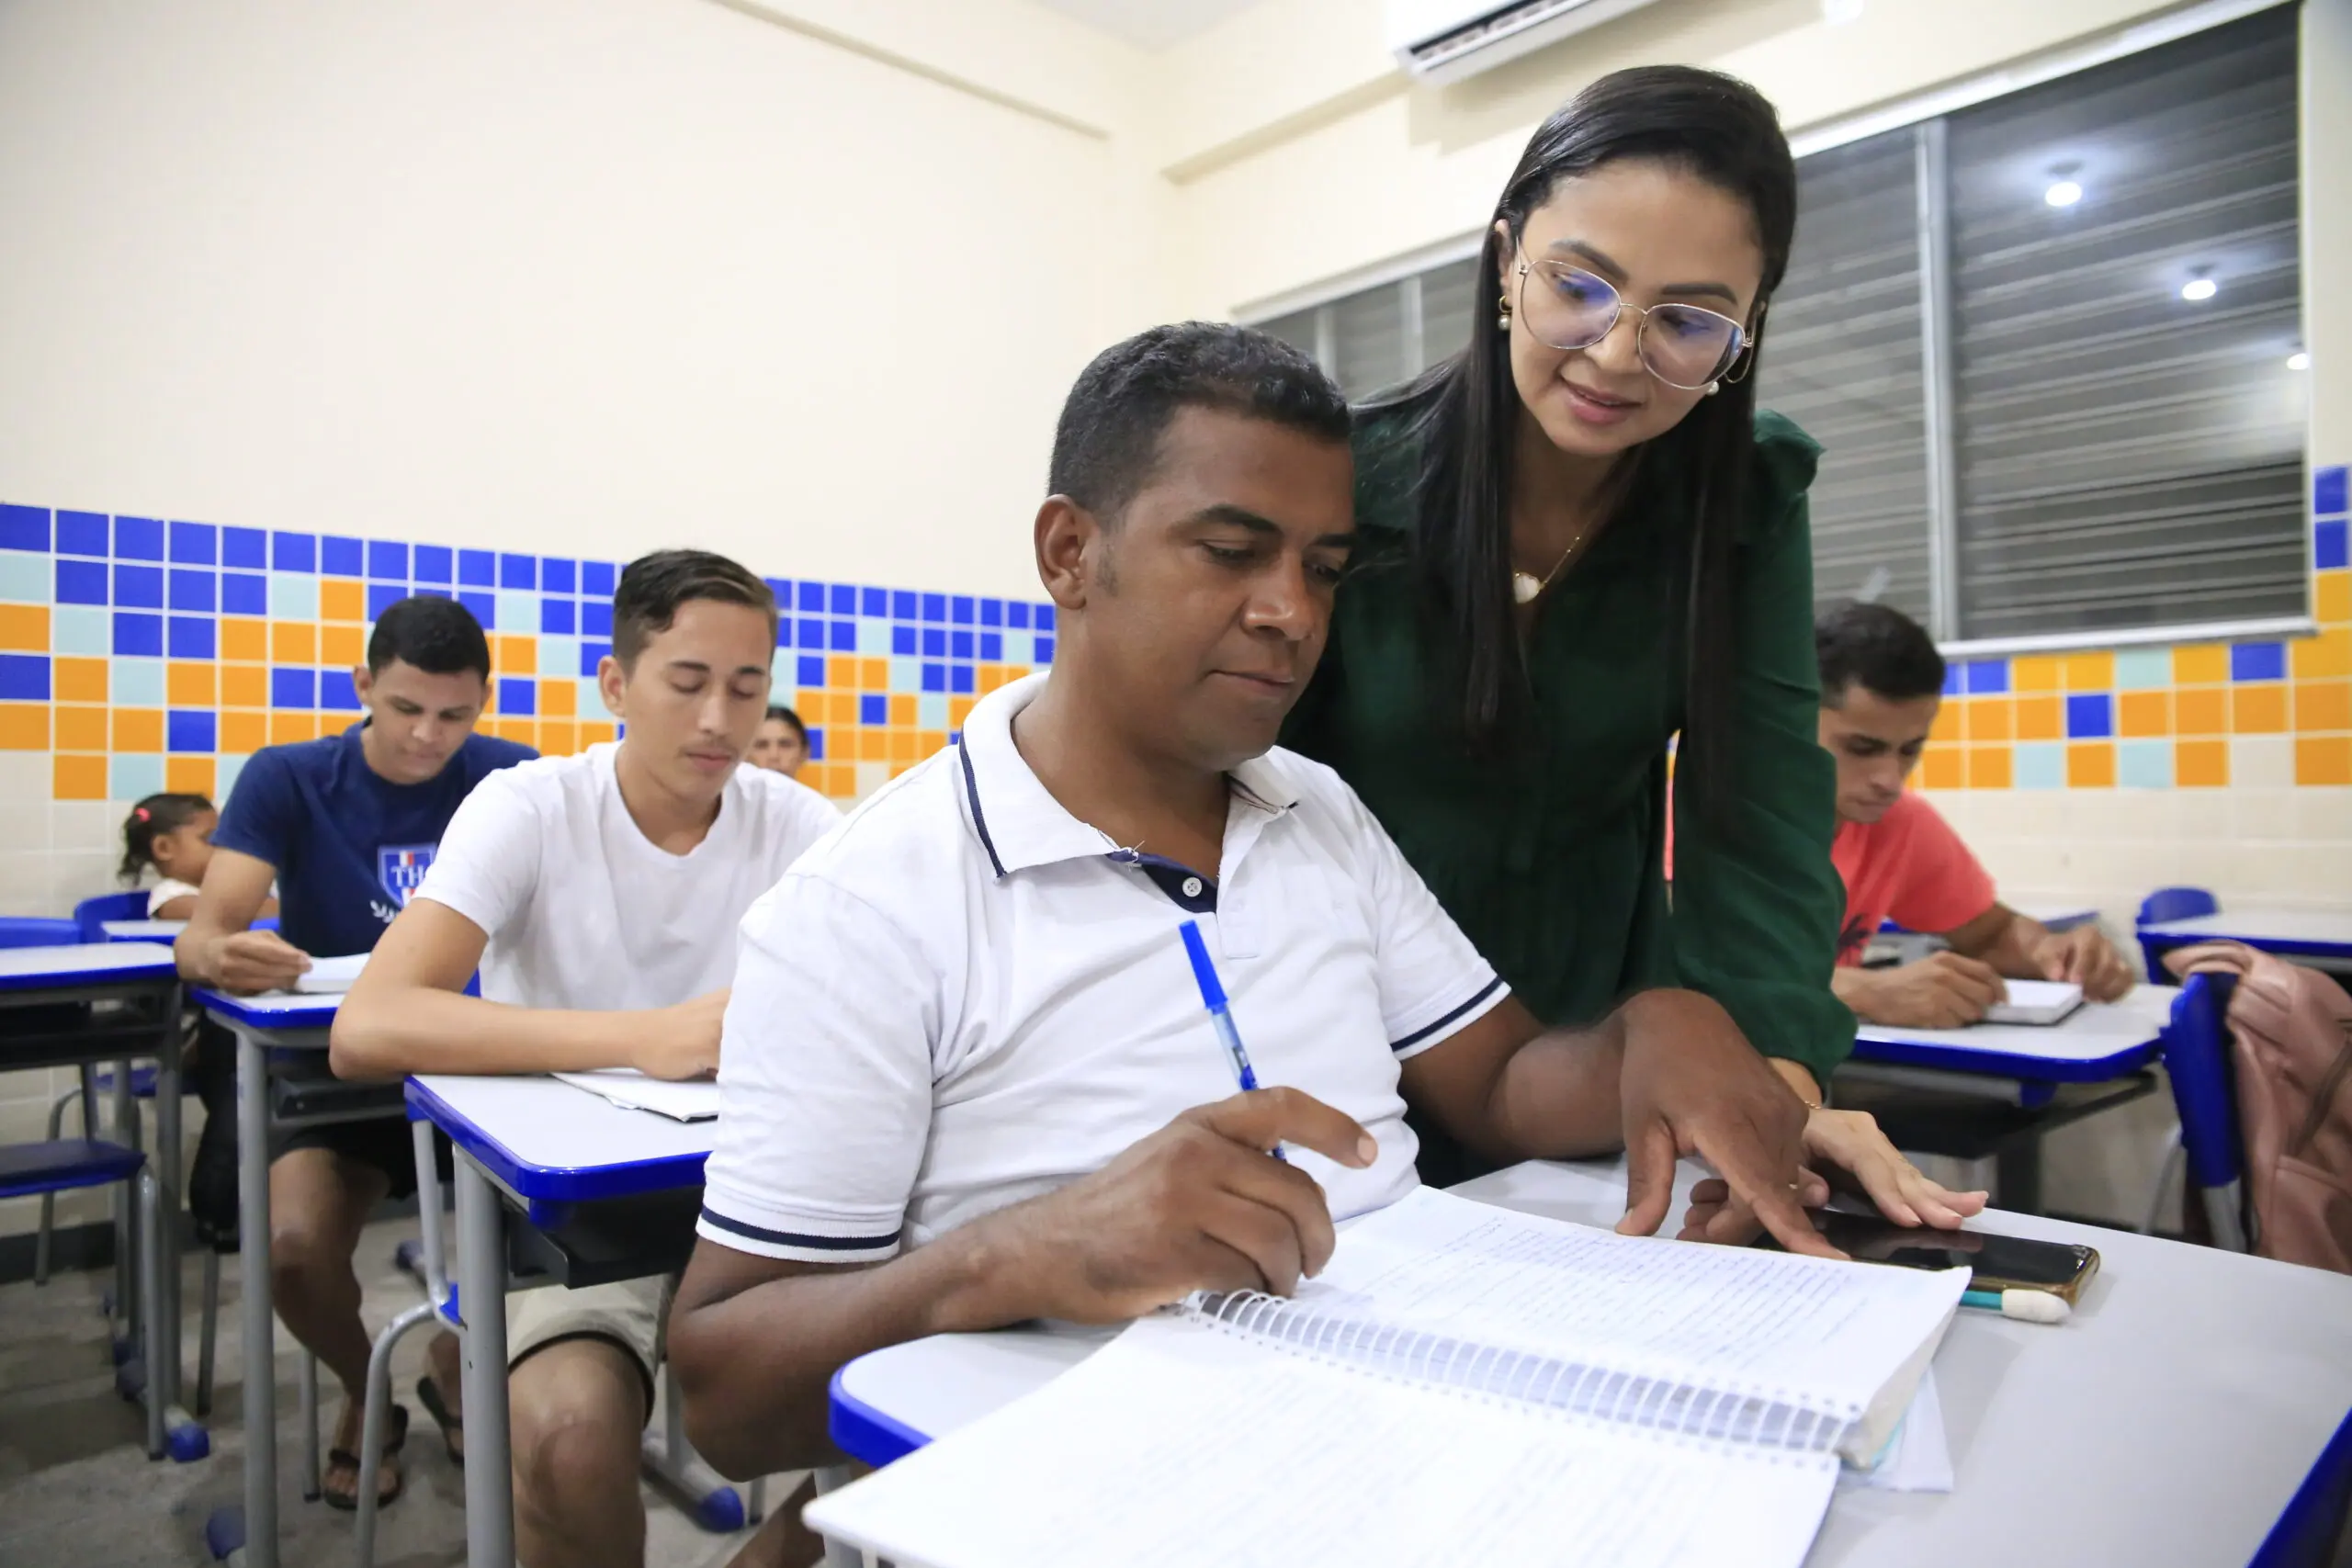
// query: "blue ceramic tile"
[[245, 549], [959, 645], [518, 695], [190, 730], [809, 633], [557, 616], [812, 671], [1987, 676], [935, 677], [874, 602], [1017, 614], [872, 708], [591, 657], [138, 587], [2328, 544], [559, 574], [138, 538], [386, 560], [245, 594], [903, 641], [80, 581], [844, 636], [2090, 715], [293, 688], [82, 533], [992, 612], [596, 617], [433, 563], [477, 569], [961, 608], [810, 600], [816, 743], [935, 606], [191, 637], [2328, 490], [1043, 619], [192, 589], [1044, 654], [935, 642], [483, 606], [844, 599], [516, 571], [23, 528], [336, 693], [904, 605], [959, 680], [992, 647], [382, 596], [2258, 661], [598, 577], [341, 557], [24, 677], [137, 636], [293, 552], [196, 544], [784, 631]]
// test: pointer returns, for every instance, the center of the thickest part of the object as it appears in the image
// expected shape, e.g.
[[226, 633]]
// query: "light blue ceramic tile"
[[592, 702], [2142, 669], [1019, 648], [134, 776], [2144, 764], [931, 710], [873, 637], [559, 655], [781, 670], [2038, 765], [225, 771], [293, 596], [137, 684], [906, 675], [24, 578], [75, 629], [518, 611]]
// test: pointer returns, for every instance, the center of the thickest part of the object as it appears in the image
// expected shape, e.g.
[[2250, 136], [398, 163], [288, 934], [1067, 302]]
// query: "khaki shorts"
[[629, 1314]]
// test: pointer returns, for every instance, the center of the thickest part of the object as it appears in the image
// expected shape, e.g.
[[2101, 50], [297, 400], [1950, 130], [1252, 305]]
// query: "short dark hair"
[[654, 587], [1107, 441], [437, 636], [791, 718], [1877, 647]]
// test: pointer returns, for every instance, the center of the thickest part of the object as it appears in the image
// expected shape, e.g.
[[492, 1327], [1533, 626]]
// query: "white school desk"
[[2099, 1041], [2174, 1421], [2322, 937], [164, 931]]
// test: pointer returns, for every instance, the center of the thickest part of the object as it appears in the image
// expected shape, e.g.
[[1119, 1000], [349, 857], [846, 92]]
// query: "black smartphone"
[[2001, 1262]]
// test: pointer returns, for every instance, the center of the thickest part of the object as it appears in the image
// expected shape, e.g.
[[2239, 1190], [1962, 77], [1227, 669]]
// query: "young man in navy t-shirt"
[[346, 827]]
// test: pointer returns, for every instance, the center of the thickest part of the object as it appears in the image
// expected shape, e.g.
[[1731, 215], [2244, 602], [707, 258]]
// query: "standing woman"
[[1581, 541]]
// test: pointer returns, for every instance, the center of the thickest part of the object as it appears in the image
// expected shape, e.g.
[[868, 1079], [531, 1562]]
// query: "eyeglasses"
[[1682, 346]]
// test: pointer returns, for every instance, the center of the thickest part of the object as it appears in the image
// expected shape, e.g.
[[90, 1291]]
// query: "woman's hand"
[[1849, 1146]]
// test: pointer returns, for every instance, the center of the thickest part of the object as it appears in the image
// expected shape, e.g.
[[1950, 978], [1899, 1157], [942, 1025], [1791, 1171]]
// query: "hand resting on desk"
[[1858, 1157]]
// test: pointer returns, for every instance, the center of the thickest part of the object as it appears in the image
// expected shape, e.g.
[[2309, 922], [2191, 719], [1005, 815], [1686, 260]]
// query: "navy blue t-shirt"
[[348, 844]]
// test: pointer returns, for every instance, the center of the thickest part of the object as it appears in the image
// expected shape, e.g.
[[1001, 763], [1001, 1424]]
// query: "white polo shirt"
[[965, 997]]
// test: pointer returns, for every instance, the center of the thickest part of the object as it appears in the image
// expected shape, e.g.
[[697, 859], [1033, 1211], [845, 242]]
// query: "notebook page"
[[1726, 1317], [1180, 1444], [695, 1100], [329, 977]]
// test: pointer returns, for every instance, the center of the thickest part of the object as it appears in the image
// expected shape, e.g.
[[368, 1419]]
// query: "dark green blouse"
[[1550, 857]]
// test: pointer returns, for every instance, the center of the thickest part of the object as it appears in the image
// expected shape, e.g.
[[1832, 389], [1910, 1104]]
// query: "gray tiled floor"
[[77, 1486]]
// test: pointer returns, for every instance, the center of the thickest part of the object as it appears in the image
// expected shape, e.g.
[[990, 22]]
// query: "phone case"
[[2070, 1293]]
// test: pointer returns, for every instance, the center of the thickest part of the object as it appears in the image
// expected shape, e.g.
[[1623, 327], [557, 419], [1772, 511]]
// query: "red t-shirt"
[[1908, 867]]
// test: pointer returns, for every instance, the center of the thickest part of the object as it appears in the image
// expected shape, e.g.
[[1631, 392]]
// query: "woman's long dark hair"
[[1467, 409]]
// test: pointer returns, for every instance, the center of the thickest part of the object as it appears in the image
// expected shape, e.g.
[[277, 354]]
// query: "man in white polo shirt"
[[599, 895], [969, 1078]]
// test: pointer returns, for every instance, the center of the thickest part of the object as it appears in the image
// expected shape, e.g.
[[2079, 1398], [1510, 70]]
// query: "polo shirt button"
[[1192, 888]]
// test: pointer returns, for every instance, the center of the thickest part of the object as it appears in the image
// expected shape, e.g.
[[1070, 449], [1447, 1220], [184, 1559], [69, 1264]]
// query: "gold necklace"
[[1526, 587]]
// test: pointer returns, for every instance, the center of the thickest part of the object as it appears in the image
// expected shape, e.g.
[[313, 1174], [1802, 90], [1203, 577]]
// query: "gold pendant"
[[1525, 586]]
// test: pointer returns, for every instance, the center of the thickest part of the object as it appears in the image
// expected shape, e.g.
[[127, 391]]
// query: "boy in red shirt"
[[1881, 682]]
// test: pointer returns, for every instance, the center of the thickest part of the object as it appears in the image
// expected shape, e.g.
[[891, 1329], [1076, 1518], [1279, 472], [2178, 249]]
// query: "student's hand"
[[1859, 1158], [1692, 1085], [1199, 1205], [682, 1041], [1942, 990], [2085, 956], [248, 963]]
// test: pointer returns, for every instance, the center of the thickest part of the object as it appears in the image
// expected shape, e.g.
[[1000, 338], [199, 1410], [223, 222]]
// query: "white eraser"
[[2035, 1306]]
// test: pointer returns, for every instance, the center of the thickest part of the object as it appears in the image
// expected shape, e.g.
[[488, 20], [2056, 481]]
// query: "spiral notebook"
[[1463, 1384]]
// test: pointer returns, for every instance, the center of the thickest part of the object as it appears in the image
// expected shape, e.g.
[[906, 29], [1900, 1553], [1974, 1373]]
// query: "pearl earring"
[[1713, 387], [1502, 315]]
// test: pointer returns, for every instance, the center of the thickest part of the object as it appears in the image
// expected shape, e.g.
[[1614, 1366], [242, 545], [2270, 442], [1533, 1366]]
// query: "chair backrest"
[[30, 930], [2177, 904], [2197, 1060], [91, 914]]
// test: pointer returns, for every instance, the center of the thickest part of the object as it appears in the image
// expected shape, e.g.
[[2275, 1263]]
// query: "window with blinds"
[[1377, 337]]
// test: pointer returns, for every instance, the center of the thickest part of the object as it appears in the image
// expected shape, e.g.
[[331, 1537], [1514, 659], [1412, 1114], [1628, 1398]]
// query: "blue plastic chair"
[[2197, 1060], [2164, 905], [92, 914], [27, 931]]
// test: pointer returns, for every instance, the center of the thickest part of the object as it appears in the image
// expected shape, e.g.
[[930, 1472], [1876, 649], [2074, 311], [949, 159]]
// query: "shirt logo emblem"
[[401, 868]]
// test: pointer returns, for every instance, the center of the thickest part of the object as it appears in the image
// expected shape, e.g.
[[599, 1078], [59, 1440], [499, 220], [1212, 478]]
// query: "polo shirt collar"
[[1019, 823]]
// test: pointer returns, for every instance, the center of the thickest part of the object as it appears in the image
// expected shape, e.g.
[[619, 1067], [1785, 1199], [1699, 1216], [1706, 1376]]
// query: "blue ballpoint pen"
[[1221, 1016]]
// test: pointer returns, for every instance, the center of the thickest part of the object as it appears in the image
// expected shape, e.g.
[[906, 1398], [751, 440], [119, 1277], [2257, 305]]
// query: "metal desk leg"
[[482, 1276], [187, 1439], [837, 1553], [128, 1297], [261, 1312]]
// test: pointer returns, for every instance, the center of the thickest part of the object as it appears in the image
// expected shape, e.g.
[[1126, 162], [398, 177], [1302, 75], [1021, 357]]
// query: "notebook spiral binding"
[[1750, 1416]]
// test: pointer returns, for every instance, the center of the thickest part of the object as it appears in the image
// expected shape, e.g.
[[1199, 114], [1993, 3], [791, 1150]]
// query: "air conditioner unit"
[[1445, 40]]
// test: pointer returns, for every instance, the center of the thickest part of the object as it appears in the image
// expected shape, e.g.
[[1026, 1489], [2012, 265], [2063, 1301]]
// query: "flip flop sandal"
[[453, 1429], [393, 1442]]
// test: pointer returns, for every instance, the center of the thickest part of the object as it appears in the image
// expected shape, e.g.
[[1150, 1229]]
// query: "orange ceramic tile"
[[2144, 713], [78, 778], [2322, 705], [2201, 710], [846, 710], [898, 768], [958, 709], [594, 732], [874, 745], [902, 746], [559, 737], [514, 654], [902, 708], [1988, 767], [2040, 673], [1952, 721], [930, 740], [293, 642], [1940, 767], [188, 683], [2040, 718], [2201, 764], [78, 679], [1016, 671], [189, 775], [2259, 709], [2090, 764], [245, 687], [874, 674], [344, 647], [2324, 760], [244, 640], [2328, 654], [24, 628], [24, 726], [841, 673], [242, 734], [286, 728], [340, 599], [1991, 719], [139, 729], [2090, 671], [2201, 664], [2332, 598], [522, 731], [558, 699], [80, 729]]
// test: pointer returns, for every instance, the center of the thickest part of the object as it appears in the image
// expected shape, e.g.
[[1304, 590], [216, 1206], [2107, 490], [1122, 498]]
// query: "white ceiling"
[[1151, 24]]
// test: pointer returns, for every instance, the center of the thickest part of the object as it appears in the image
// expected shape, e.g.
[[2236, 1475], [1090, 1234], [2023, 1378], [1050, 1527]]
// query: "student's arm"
[[1943, 991], [217, 949], [1197, 1206], [408, 1013], [2024, 949]]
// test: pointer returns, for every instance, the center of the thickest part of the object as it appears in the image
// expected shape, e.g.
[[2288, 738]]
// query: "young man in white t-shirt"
[[599, 896], [969, 1078]]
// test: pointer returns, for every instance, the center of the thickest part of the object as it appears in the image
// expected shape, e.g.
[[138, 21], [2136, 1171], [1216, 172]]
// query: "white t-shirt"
[[164, 892], [965, 997], [582, 910]]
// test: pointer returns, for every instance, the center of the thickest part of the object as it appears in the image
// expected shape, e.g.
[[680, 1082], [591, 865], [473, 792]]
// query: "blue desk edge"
[[865, 1433], [125, 974], [555, 1184], [2285, 947], [1994, 1063], [240, 1008]]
